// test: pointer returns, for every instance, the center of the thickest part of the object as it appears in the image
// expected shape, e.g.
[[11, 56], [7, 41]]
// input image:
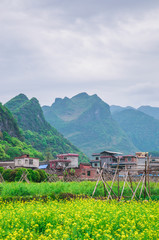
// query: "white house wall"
[[73, 163], [24, 162]]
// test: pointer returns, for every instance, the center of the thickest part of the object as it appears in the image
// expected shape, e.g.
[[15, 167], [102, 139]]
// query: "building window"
[[97, 158], [83, 173], [95, 164], [19, 161], [30, 161], [88, 173]]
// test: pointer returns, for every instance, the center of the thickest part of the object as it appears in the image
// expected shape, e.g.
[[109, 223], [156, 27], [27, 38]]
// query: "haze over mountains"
[[152, 111], [88, 123], [142, 129], [92, 125]]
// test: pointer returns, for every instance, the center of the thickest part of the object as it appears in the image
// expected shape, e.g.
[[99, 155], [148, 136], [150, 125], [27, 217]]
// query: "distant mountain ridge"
[[151, 111], [116, 108], [142, 129], [87, 122], [37, 131]]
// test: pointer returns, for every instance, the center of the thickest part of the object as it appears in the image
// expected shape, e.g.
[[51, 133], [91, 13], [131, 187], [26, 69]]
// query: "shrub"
[[30, 173], [1, 169], [42, 174], [13, 174], [7, 175], [19, 172], [36, 176]]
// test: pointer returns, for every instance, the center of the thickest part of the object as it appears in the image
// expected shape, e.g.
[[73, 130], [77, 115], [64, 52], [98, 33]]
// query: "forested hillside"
[[87, 122], [8, 123], [11, 138], [37, 131]]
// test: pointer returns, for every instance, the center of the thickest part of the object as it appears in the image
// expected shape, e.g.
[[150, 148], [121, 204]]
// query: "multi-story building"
[[142, 157], [104, 159], [67, 160], [110, 160]]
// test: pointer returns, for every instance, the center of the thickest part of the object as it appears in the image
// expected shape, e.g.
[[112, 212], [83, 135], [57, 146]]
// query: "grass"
[[15, 189]]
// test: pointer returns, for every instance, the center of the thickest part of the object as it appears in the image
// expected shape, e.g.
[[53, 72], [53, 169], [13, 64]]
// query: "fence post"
[[118, 181], [145, 179]]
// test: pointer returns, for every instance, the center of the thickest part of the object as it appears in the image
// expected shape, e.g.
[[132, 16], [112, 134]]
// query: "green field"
[[15, 189], [79, 219]]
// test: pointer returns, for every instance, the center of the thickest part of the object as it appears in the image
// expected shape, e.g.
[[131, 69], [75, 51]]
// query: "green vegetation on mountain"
[[142, 129], [11, 145], [28, 114], [37, 131], [87, 122], [8, 123]]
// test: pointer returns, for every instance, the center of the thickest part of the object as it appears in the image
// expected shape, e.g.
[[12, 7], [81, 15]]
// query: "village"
[[109, 161]]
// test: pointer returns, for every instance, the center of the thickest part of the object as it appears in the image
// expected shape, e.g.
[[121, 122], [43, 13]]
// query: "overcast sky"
[[58, 48]]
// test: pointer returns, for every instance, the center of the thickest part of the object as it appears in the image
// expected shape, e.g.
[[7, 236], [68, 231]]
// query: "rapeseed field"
[[79, 219]]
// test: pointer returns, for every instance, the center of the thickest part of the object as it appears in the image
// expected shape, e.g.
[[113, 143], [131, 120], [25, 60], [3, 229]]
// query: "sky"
[[58, 48]]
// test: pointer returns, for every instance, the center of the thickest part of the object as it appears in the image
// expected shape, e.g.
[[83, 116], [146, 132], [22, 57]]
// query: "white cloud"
[[49, 45]]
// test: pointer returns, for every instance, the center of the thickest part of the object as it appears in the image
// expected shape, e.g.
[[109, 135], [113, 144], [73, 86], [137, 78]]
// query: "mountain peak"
[[81, 95], [16, 102], [28, 113], [34, 100], [86, 121]]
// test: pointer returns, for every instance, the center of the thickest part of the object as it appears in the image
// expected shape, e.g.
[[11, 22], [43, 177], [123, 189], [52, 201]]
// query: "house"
[[126, 162], [142, 157], [67, 160], [105, 158], [154, 163], [7, 164], [26, 161], [86, 171], [110, 160]]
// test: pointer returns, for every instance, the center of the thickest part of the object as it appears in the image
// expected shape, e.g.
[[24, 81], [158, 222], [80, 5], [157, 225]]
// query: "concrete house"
[[68, 160], [86, 171], [127, 162], [141, 159], [7, 165], [154, 163], [105, 158], [26, 161]]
